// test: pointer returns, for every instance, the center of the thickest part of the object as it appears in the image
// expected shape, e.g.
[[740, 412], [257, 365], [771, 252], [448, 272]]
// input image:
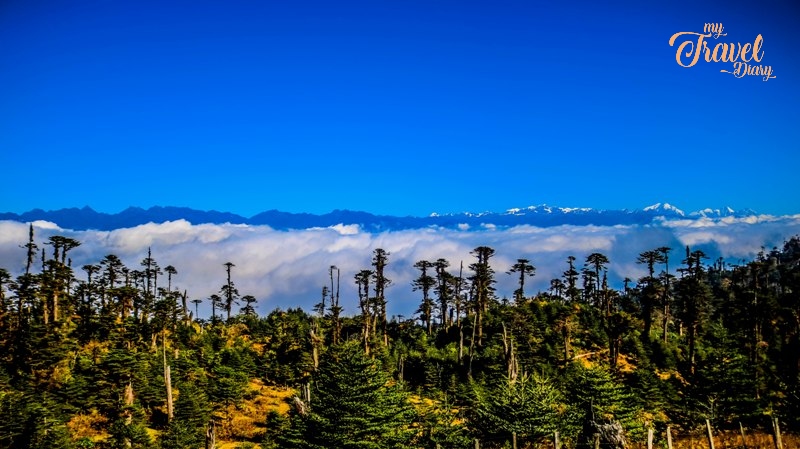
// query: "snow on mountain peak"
[[727, 211], [659, 207], [567, 210]]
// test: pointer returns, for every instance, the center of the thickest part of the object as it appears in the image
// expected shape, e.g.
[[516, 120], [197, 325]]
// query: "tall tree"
[[380, 259], [335, 308], [5, 306], [650, 290], [216, 303], [249, 308], [229, 292], [196, 303], [597, 262], [693, 295], [31, 249], [171, 271], [525, 269], [424, 283], [445, 290], [151, 270], [666, 282], [362, 279], [483, 286], [571, 280], [58, 274]]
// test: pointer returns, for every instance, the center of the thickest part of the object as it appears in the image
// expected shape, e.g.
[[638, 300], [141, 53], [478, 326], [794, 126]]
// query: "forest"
[[113, 356]]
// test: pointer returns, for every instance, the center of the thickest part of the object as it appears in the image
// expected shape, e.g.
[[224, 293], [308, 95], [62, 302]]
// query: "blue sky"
[[391, 107]]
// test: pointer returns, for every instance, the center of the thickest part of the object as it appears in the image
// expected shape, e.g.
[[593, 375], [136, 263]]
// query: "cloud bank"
[[289, 268]]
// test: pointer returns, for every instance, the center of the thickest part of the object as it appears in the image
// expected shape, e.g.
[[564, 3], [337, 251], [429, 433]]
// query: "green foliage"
[[180, 435], [27, 424], [125, 434], [724, 345], [531, 406], [227, 385], [355, 404], [596, 395], [444, 426]]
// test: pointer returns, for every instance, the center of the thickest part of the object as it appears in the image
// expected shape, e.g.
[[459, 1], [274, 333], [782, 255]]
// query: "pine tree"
[[650, 288], [482, 285], [525, 269], [425, 282], [355, 404], [597, 396], [530, 406], [229, 292], [380, 259]]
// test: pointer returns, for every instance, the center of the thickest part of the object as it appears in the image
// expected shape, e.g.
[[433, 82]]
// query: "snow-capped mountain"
[[726, 211], [539, 215], [665, 208]]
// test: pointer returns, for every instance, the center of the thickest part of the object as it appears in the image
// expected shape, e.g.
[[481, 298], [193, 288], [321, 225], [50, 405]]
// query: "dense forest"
[[109, 356]]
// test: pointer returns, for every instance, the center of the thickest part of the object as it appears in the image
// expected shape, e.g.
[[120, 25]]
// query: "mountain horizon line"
[[540, 215]]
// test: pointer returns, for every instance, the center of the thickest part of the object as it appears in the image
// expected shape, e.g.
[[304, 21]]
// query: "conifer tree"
[[650, 287], [445, 290], [228, 291], [362, 279], [249, 309], [380, 259], [335, 308], [483, 286], [530, 406], [525, 269], [424, 283], [597, 396], [571, 280], [355, 405]]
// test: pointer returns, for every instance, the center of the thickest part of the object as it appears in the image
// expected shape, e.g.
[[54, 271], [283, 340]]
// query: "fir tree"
[[355, 404], [530, 406]]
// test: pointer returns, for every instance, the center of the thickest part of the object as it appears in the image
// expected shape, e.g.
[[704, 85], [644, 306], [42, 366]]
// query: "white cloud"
[[289, 268]]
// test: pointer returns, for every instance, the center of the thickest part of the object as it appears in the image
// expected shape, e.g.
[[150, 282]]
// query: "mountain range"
[[541, 216]]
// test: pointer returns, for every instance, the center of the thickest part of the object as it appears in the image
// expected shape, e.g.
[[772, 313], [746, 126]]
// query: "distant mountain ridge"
[[541, 215]]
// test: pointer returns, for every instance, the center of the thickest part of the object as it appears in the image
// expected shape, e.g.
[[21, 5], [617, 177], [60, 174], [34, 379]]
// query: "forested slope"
[[111, 356]]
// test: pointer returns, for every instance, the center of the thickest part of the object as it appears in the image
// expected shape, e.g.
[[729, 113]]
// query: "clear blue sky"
[[391, 107]]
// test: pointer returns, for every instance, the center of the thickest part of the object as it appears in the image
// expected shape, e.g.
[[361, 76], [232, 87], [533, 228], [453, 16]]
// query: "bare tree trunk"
[[567, 333], [777, 433], [741, 430], [314, 349], [55, 304], [710, 434], [46, 311], [460, 341], [511, 358], [669, 437], [185, 307], [211, 435], [479, 324], [472, 348], [128, 395], [167, 381]]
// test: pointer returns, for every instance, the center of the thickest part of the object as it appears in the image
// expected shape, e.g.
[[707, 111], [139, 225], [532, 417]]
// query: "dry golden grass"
[[724, 440], [247, 420], [232, 445], [88, 426]]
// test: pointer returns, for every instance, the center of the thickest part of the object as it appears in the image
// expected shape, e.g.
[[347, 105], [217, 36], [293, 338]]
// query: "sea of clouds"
[[289, 268]]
